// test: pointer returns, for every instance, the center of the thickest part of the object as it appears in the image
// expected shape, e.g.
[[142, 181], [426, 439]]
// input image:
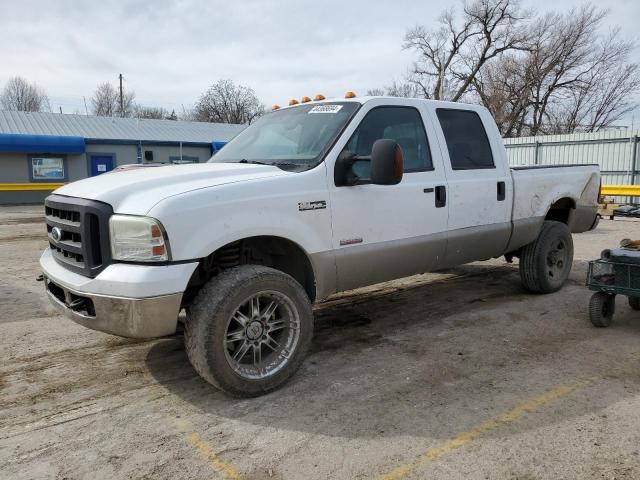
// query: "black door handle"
[[502, 191], [441, 196]]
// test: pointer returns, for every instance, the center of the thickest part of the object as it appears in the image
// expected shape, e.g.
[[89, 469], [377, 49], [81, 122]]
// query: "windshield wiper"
[[271, 164], [255, 162], [285, 164]]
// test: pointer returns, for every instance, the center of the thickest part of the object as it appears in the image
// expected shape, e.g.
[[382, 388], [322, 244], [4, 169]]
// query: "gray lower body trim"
[[525, 231], [477, 243], [324, 272], [582, 218], [362, 265]]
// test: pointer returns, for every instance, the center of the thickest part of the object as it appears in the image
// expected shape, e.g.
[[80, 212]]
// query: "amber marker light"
[[275, 107], [349, 95], [293, 101], [318, 97], [305, 100]]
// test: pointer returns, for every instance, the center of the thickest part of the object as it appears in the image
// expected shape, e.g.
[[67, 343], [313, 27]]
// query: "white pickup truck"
[[310, 200]]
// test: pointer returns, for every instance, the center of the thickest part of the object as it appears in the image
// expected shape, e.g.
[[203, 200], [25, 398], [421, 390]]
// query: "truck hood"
[[137, 191]]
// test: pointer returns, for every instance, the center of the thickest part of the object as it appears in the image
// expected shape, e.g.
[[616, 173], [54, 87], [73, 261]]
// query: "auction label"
[[326, 109]]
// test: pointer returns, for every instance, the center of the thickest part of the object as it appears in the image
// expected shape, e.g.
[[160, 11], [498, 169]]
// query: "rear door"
[[479, 183], [381, 232]]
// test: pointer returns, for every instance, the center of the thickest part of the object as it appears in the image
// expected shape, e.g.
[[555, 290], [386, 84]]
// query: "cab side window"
[[401, 124], [467, 140]]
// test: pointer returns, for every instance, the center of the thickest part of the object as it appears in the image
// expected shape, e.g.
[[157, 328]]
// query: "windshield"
[[294, 138]]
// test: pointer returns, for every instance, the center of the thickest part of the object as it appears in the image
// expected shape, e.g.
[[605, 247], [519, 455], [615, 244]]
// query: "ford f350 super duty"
[[309, 200]]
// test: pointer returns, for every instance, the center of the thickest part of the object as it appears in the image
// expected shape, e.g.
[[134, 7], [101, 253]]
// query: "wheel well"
[[560, 211], [269, 251]]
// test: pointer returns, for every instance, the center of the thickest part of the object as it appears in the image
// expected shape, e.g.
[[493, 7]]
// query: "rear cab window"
[[466, 138]]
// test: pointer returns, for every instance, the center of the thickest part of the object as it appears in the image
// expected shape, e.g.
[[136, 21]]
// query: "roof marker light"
[[305, 100], [318, 97], [349, 95], [293, 101], [275, 107]]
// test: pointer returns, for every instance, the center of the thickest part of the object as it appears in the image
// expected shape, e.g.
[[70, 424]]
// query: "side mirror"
[[387, 162]]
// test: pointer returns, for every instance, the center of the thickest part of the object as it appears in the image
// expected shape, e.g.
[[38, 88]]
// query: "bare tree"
[[554, 74], [172, 115], [106, 102], [502, 87], [156, 113], [22, 96], [376, 92], [571, 78], [396, 89], [450, 57], [591, 85], [226, 102]]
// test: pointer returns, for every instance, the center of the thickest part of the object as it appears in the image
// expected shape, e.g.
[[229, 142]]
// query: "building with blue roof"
[[41, 151]]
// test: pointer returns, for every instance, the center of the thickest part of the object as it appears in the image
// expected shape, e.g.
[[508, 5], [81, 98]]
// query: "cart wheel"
[[634, 302], [601, 308]]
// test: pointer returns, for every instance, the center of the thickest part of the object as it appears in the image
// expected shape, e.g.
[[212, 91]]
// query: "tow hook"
[[40, 278]]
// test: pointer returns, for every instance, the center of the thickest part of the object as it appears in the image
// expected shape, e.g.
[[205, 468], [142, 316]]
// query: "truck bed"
[[538, 189]]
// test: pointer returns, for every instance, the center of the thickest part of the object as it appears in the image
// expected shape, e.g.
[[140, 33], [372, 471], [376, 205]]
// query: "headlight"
[[137, 239]]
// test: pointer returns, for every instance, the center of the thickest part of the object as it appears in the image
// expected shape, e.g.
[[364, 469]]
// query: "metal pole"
[[634, 159], [536, 158], [121, 98], [634, 151]]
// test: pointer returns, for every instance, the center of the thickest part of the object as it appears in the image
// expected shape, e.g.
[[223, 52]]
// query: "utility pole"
[[121, 98]]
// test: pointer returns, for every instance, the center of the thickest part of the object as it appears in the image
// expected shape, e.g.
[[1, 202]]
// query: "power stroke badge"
[[315, 205]]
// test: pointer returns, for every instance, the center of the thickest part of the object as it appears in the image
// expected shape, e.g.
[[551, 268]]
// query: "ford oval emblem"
[[56, 234]]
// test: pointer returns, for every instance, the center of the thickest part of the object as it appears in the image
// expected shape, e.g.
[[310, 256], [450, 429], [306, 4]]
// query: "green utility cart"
[[617, 272]]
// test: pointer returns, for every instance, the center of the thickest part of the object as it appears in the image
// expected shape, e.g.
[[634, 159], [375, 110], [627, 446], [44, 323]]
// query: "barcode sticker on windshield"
[[326, 109]]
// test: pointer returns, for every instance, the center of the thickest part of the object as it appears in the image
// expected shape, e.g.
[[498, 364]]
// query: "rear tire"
[[248, 330], [634, 303], [602, 306], [545, 263]]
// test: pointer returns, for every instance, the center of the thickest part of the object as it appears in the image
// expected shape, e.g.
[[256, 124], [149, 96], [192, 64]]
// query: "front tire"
[[248, 330], [546, 262]]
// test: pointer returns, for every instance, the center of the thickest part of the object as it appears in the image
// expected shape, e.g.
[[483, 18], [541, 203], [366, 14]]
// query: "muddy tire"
[[248, 330], [602, 306], [634, 303], [546, 262]]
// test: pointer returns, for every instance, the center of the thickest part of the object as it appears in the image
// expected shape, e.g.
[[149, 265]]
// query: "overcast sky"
[[170, 51]]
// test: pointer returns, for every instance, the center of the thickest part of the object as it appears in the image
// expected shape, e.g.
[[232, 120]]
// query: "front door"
[[100, 164], [381, 232]]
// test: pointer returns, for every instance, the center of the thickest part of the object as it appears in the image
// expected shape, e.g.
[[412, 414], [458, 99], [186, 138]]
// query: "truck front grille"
[[78, 231]]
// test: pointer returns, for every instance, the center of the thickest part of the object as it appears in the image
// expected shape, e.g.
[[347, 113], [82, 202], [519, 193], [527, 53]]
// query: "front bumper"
[[126, 317], [137, 301]]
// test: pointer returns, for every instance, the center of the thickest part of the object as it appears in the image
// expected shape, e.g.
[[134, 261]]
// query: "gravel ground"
[[459, 374]]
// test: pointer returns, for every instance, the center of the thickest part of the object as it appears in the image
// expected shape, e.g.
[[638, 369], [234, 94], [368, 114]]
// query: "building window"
[[47, 169]]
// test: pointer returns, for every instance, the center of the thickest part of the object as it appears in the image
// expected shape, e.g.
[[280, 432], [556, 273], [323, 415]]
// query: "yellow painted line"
[[467, 437], [206, 452], [625, 190], [18, 187]]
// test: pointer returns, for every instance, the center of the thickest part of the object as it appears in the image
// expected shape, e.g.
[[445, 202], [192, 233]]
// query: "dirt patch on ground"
[[396, 371], [22, 220], [24, 237]]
